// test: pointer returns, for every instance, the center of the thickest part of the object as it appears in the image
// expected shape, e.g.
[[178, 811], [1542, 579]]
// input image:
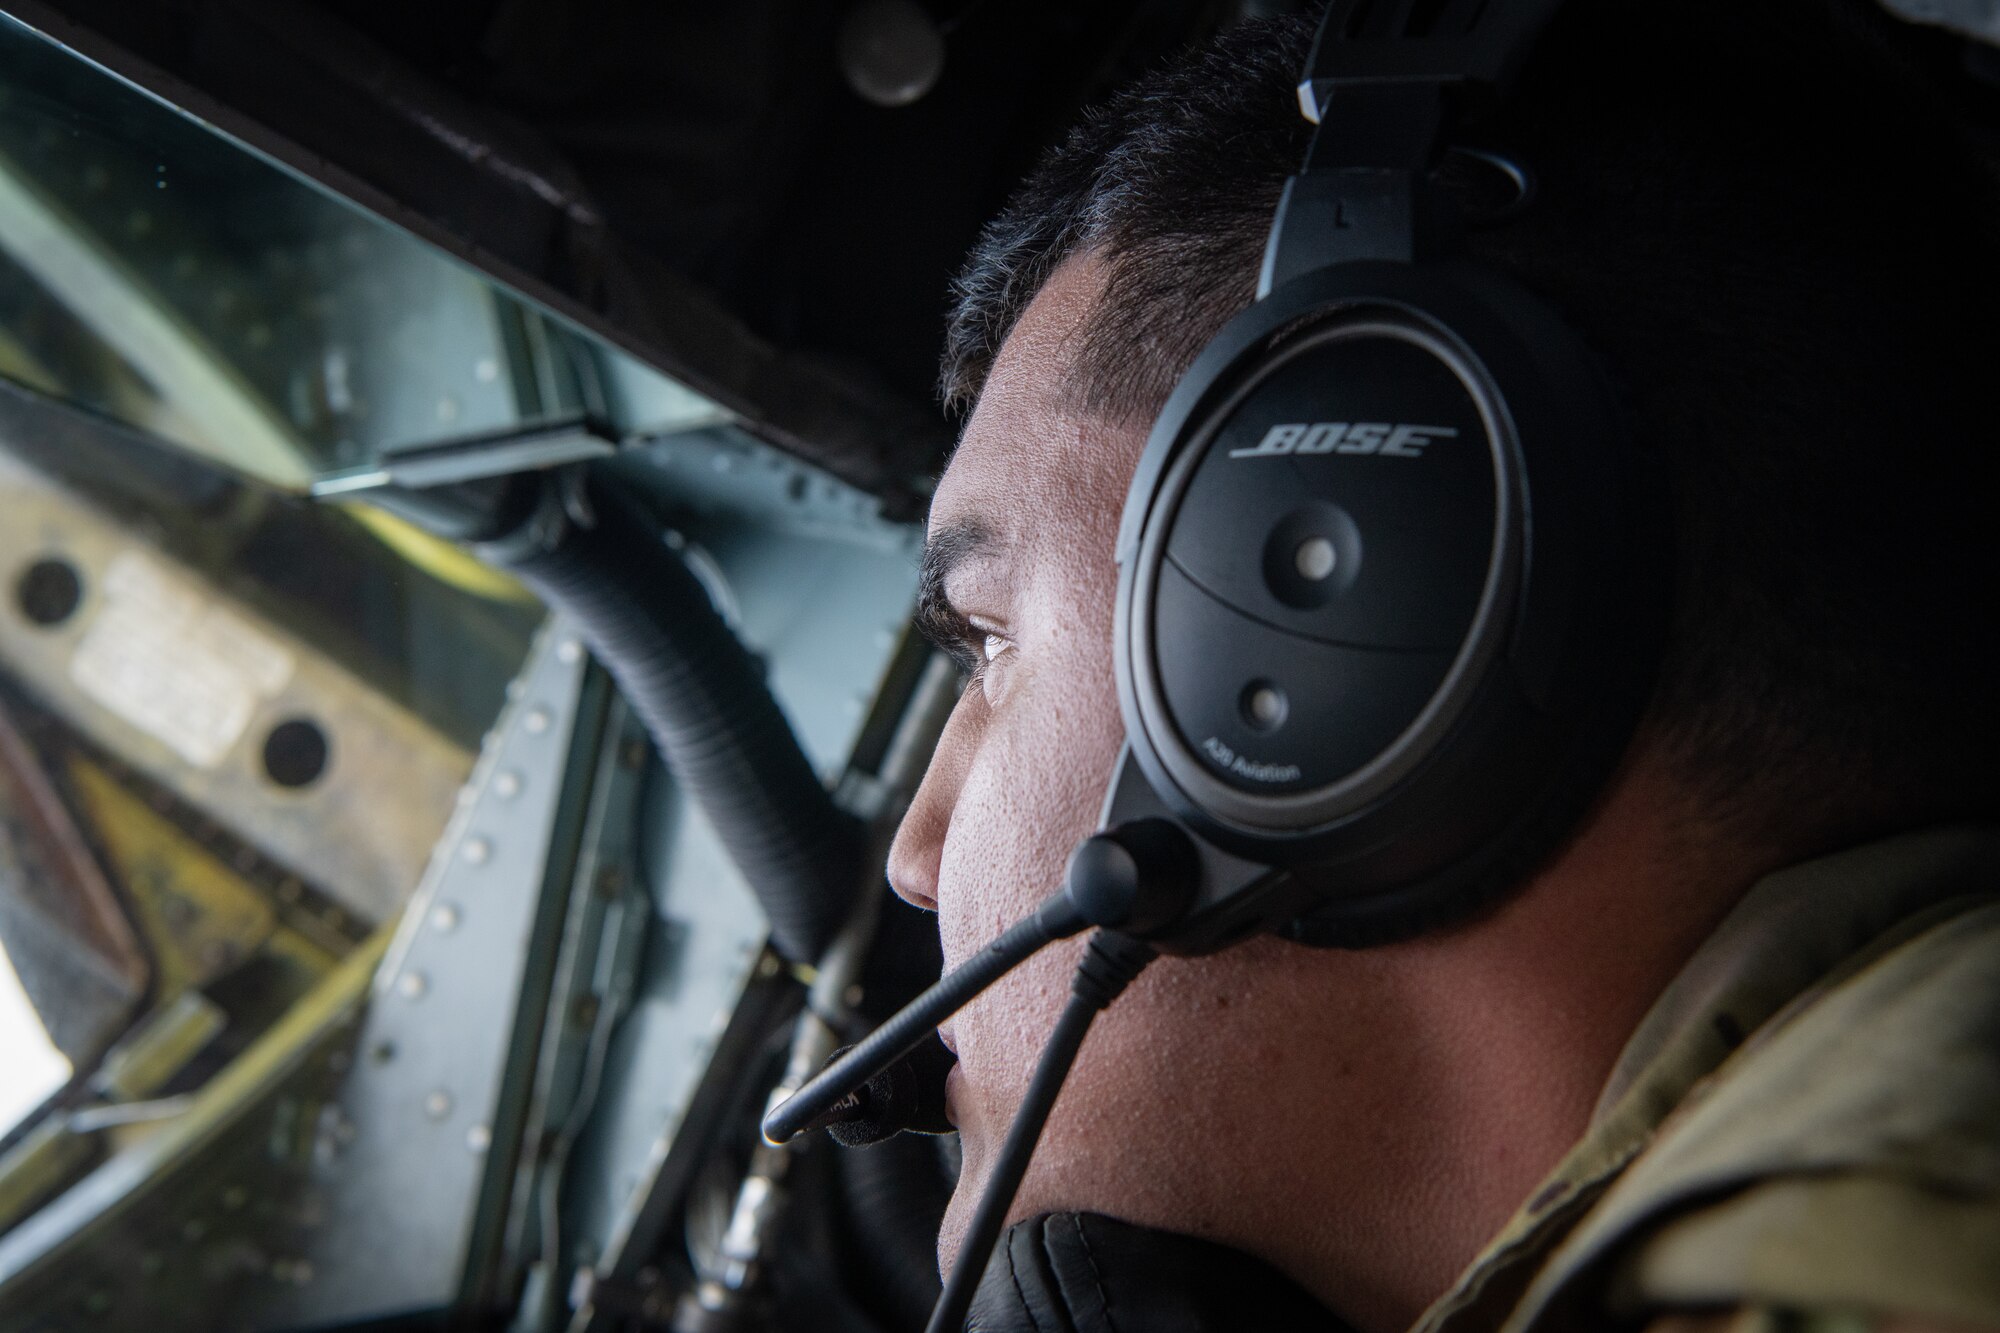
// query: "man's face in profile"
[[1022, 530]]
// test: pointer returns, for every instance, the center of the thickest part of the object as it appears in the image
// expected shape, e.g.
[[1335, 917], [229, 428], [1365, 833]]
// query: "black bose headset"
[[1391, 569], [1391, 589]]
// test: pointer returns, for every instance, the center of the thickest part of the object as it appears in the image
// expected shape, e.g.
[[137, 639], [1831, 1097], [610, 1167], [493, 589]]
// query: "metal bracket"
[[477, 458]]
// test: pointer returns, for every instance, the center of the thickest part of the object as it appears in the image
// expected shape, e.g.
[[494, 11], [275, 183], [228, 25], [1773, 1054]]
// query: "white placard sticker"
[[182, 669]]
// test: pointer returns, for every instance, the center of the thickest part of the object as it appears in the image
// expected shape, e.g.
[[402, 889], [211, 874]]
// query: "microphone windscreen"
[[908, 1096]]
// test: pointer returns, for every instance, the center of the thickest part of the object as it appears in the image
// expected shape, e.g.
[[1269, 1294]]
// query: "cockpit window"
[[233, 722]]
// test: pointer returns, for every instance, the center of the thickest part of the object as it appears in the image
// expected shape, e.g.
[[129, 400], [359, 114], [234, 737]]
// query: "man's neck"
[[1474, 1058]]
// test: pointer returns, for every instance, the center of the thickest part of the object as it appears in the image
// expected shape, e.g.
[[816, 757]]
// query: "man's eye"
[[995, 645]]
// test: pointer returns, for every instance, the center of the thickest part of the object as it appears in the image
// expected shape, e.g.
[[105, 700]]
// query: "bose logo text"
[[1338, 437]]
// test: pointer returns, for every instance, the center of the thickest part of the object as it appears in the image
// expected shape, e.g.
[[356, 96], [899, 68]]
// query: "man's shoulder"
[[1848, 1156]]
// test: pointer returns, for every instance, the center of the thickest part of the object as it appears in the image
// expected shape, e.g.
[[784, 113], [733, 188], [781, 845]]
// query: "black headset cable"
[[1110, 962]]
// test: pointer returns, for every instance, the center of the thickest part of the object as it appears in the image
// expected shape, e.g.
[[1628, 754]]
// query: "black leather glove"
[[1082, 1273]]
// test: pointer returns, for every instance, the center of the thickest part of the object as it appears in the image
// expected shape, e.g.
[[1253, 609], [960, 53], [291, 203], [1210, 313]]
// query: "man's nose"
[[918, 851]]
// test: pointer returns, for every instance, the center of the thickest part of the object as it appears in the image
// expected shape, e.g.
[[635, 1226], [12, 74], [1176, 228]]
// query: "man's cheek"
[[1001, 1034], [1010, 835], [1030, 793], [1008, 838]]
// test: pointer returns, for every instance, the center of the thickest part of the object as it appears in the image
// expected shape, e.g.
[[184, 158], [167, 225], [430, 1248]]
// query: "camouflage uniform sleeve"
[[1818, 1254], [1764, 1319]]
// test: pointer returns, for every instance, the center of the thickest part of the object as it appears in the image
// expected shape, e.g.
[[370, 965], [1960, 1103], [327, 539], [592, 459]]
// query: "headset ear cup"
[[1628, 680], [1466, 787], [1515, 859]]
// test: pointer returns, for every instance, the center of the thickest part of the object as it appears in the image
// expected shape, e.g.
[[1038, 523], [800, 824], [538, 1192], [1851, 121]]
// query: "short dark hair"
[[1769, 219]]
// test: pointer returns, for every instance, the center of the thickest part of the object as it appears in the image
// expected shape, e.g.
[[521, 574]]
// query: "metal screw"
[[537, 721], [412, 985], [479, 1138], [569, 652], [444, 918], [438, 1105], [507, 785], [476, 852]]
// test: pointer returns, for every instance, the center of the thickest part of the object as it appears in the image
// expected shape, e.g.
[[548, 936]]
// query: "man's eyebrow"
[[946, 550]]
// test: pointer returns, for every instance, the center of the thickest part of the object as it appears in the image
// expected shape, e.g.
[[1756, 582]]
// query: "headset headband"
[[1404, 72]]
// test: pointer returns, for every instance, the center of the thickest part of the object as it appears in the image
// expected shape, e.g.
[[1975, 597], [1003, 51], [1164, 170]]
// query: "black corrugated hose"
[[603, 561]]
